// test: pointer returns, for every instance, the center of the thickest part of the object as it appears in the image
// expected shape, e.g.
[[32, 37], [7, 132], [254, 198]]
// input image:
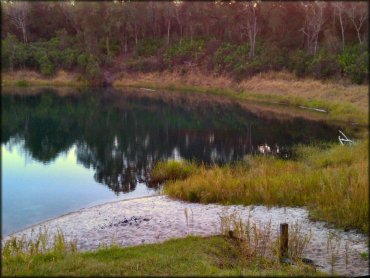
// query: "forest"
[[323, 40]]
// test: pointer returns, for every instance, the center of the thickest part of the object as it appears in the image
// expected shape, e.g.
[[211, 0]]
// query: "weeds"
[[259, 243], [26, 249]]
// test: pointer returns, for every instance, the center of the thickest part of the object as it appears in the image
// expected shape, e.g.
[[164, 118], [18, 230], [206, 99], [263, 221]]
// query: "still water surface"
[[62, 153]]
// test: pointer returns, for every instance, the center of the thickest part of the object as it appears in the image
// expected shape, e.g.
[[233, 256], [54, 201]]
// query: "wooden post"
[[284, 236]]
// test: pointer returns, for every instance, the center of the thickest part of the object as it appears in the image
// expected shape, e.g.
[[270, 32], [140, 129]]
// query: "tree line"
[[320, 39]]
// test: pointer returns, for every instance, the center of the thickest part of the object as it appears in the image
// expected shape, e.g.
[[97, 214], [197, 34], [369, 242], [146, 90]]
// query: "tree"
[[314, 20], [251, 25], [340, 9], [357, 13], [18, 14]]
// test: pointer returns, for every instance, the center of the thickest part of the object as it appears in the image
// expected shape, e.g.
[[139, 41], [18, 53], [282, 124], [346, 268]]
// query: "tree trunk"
[[168, 31], [107, 45], [358, 35], [136, 40], [24, 33], [342, 29]]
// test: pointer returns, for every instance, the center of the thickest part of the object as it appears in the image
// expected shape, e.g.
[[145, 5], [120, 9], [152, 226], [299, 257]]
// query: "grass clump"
[[260, 243], [172, 170], [332, 183]]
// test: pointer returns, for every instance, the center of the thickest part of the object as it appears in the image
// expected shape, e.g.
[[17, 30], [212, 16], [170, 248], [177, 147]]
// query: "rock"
[[286, 261], [308, 261]]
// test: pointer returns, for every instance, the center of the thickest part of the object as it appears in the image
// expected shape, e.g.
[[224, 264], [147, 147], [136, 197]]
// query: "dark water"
[[61, 153]]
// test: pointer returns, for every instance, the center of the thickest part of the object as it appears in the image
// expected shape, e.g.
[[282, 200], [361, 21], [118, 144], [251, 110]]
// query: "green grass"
[[332, 182], [189, 256], [21, 83], [337, 111], [172, 170]]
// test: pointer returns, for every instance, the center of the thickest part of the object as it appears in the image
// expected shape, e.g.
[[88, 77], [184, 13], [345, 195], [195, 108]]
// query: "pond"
[[64, 151]]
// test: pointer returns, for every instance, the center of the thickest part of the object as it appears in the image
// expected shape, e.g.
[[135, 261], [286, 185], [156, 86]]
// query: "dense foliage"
[[318, 39]]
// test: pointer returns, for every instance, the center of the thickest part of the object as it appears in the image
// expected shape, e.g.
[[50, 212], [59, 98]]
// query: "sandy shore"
[[159, 218]]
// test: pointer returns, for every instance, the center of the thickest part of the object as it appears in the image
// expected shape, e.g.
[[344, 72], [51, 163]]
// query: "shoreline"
[[155, 219], [40, 223], [342, 102]]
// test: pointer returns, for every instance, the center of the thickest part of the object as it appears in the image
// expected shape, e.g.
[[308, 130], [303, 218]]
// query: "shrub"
[[69, 58], [299, 62], [183, 50], [148, 47], [354, 63], [324, 65], [46, 67], [8, 53], [113, 46], [82, 61], [93, 71]]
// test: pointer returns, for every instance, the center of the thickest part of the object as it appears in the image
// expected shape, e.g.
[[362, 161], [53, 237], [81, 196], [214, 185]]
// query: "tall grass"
[[26, 78], [260, 243], [172, 170], [25, 250], [342, 101], [332, 183]]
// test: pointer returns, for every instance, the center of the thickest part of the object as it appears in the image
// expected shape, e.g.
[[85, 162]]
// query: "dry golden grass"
[[284, 83], [270, 86], [332, 183], [33, 78]]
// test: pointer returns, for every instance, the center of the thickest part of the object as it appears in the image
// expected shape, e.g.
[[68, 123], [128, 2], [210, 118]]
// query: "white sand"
[[159, 218]]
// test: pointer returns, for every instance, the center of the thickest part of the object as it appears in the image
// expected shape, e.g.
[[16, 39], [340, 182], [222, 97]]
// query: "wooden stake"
[[284, 236]]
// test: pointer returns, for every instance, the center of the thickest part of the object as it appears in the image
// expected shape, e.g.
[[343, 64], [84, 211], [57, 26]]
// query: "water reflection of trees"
[[122, 144]]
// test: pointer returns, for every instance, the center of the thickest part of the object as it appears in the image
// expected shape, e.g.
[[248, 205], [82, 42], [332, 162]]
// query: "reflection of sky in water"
[[60, 154], [35, 191]]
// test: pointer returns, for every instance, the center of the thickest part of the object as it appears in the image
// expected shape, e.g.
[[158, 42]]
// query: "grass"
[[26, 78], [217, 255], [344, 102], [332, 183], [172, 170]]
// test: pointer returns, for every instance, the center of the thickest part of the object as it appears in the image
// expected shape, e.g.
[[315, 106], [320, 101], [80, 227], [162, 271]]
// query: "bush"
[[354, 63], [271, 57], [82, 61], [183, 50], [113, 47], [324, 65], [299, 62], [93, 71], [69, 58], [149, 64], [148, 47], [46, 67], [8, 53]]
